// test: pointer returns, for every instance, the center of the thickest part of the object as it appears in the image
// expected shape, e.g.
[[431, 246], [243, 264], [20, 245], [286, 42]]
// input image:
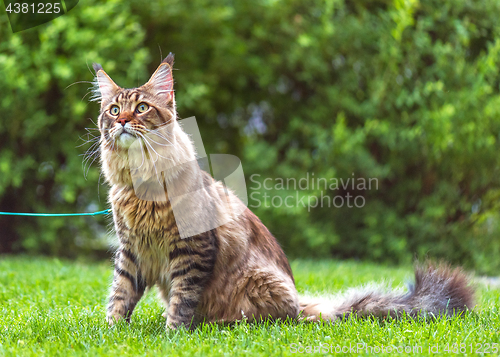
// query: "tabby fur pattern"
[[234, 271]]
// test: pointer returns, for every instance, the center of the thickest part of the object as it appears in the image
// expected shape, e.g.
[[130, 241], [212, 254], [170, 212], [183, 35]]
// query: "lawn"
[[57, 307]]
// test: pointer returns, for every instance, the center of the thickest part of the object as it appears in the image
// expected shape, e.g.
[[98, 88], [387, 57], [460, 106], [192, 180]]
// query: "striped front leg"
[[127, 288], [192, 263]]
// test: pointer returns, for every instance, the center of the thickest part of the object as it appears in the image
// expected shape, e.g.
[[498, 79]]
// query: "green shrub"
[[44, 115]]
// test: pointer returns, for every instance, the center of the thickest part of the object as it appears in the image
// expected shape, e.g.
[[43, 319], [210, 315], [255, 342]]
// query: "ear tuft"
[[97, 67], [169, 60], [161, 82], [104, 87]]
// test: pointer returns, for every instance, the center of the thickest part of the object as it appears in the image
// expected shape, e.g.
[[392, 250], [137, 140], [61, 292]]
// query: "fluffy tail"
[[437, 290]]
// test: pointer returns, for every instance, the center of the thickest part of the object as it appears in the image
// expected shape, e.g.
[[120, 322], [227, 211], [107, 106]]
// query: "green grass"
[[54, 307]]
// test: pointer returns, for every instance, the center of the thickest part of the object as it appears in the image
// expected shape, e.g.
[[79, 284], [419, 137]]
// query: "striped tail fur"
[[438, 290]]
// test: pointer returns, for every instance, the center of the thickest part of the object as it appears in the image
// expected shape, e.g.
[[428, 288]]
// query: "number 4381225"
[[472, 348], [39, 8]]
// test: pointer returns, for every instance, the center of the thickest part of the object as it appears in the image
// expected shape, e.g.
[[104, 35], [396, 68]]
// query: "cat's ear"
[[161, 82], [105, 87]]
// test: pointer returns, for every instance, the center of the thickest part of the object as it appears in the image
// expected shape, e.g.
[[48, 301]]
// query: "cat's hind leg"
[[268, 294]]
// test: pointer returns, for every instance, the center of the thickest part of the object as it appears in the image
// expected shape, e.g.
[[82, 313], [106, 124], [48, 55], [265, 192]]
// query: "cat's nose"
[[123, 121]]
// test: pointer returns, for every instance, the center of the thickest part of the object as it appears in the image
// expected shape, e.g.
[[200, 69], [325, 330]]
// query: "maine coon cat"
[[226, 272]]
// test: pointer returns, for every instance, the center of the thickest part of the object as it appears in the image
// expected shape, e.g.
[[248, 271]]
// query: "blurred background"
[[404, 91]]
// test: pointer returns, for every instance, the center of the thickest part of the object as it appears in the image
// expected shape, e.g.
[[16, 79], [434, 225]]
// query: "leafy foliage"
[[406, 92], [44, 115]]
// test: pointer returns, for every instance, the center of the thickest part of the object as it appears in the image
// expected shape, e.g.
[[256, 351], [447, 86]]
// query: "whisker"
[[160, 144], [154, 162], [86, 94], [91, 72], [92, 152], [148, 143], [143, 156], [94, 140], [89, 153], [159, 133], [156, 132], [93, 122], [150, 148], [72, 84], [90, 165]]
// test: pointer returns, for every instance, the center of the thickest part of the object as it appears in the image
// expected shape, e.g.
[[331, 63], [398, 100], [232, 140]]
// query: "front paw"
[[112, 319], [173, 325]]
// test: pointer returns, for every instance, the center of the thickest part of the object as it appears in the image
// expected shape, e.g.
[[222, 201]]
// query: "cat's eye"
[[115, 110], [141, 108]]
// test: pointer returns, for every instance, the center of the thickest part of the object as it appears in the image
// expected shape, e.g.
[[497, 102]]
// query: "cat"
[[226, 272]]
